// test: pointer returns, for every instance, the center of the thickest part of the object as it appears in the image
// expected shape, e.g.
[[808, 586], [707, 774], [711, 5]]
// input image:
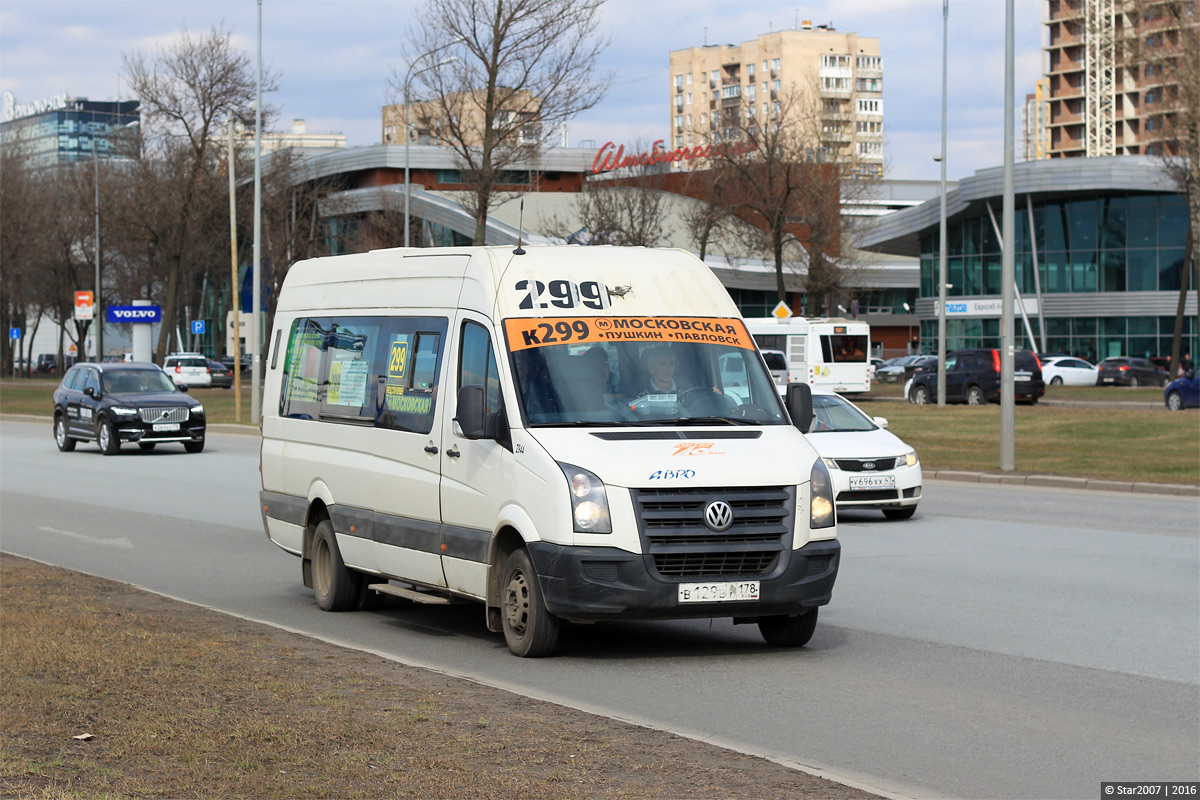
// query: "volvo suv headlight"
[[589, 501], [123, 411], [197, 410], [820, 498]]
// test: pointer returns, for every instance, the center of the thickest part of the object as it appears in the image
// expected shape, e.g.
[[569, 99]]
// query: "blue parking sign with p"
[[197, 326]]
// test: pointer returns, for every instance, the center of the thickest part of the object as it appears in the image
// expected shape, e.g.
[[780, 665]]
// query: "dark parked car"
[[228, 362], [1125, 371], [47, 363], [1183, 392], [973, 377], [222, 376], [901, 369], [129, 402]]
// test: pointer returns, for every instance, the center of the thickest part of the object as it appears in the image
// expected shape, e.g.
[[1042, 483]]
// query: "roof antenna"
[[520, 251]]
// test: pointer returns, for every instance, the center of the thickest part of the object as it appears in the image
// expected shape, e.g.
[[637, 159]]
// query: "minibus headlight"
[[820, 498], [589, 501]]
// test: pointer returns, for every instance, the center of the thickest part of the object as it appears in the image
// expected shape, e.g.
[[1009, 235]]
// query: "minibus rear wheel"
[[335, 586], [529, 629], [784, 631]]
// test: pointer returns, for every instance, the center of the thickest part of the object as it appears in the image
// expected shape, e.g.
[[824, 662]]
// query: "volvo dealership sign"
[[135, 314]]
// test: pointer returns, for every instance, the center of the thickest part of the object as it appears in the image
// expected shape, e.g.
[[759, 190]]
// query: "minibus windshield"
[[640, 371]]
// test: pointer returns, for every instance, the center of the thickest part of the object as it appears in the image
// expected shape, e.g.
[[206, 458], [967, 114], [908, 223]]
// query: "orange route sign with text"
[[524, 333], [84, 308]]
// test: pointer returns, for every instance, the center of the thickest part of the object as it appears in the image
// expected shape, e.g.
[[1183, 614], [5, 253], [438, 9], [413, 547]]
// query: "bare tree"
[[26, 207], [1162, 47], [790, 186], [187, 90], [495, 78], [629, 213]]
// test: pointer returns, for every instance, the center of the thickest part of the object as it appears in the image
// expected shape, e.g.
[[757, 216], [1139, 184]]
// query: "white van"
[[827, 352], [544, 431]]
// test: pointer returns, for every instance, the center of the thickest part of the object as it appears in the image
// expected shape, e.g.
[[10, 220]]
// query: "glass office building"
[[1107, 237], [62, 129]]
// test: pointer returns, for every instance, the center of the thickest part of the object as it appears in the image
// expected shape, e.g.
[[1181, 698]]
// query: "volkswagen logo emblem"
[[868, 465], [718, 515]]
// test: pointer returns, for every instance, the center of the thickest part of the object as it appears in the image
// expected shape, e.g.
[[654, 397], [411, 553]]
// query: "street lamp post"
[[942, 269], [96, 209], [908, 344], [407, 86]]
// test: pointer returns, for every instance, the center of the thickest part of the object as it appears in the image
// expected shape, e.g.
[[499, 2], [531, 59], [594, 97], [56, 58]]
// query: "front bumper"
[[137, 431], [605, 583]]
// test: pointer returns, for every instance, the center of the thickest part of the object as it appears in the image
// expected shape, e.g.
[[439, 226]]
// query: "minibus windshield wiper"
[[581, 423], [712, 420]]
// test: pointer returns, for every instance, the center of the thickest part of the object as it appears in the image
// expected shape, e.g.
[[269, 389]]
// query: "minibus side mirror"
[[471, 418], [800, 405]]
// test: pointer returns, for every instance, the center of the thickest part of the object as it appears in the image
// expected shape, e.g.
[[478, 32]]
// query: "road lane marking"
[[121, 543]]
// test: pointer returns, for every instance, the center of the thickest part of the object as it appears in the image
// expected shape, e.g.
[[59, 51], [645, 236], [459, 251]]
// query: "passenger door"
[[476, 473], [958, 368], [412, 401], [73, 387]]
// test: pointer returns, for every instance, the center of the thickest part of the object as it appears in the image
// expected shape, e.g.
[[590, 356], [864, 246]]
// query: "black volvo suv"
[[973, 377], [129, 402]]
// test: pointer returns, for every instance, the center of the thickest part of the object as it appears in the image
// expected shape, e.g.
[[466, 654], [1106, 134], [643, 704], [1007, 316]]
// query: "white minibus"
[[545, 431], [831, 353]]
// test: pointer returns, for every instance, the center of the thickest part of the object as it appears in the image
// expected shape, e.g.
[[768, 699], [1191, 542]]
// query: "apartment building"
[[1114, 70], [725, 92], [519, 113]]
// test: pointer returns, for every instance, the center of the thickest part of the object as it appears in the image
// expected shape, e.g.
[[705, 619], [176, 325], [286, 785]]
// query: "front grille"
[[671, 522], [171, 414], [857, 464], [867, 495]]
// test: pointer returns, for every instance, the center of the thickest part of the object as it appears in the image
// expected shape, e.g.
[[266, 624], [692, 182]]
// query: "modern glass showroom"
[[1085, 247]]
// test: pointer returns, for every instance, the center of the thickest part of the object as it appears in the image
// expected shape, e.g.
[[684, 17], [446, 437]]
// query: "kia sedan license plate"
[[718, 592], [872, 482], [163, 427]]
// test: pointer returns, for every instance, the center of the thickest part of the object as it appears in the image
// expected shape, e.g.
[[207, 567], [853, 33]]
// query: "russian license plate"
[[858, 482], [1022, 376], [1108, 380], [718, 592], [163, 427]]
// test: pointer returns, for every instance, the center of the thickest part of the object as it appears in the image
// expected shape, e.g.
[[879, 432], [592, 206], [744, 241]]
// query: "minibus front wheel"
[[785, 631], [529, 629], [335, 586]]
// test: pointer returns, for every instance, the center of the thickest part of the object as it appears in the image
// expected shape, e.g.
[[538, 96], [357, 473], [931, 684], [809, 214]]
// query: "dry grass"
[[183, 702]]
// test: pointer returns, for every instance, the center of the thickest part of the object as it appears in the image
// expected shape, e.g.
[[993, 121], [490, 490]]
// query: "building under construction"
[[1114, 69]]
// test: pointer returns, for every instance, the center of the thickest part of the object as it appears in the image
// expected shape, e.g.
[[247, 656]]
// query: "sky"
[[336, 58]]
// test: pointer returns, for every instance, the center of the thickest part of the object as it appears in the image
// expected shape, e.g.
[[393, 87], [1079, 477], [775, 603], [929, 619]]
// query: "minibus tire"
[[529, 629], [784, 631], [335, 587]]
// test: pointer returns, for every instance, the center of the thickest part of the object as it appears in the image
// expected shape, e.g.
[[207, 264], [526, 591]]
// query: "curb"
[[1062, 482]]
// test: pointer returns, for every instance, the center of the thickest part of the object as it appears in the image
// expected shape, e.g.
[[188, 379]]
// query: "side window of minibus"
[[477, 364], [409, 377]]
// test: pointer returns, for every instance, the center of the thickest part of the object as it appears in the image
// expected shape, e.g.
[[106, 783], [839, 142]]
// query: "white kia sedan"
[[870, 467]]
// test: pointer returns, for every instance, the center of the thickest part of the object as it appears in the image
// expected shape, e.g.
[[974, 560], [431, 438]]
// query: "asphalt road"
[[1005, 642]]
